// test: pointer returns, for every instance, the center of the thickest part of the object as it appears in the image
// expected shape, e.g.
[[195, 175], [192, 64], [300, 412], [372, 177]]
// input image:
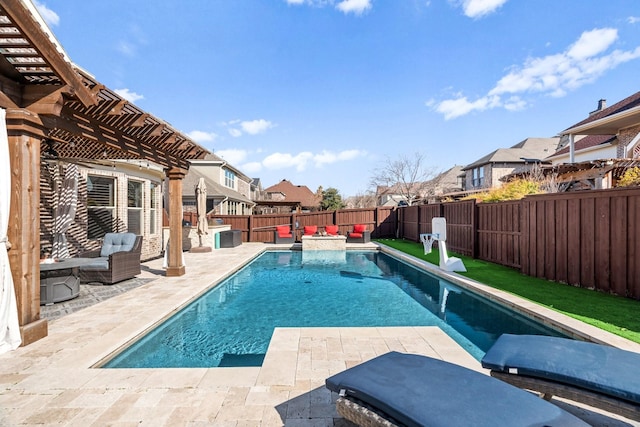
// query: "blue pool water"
[[231, 324]]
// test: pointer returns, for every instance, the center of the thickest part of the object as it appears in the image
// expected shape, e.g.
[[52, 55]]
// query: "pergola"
[[49, 100]]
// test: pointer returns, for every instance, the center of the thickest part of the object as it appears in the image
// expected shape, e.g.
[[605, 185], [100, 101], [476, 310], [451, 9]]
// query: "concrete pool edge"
[[539, 313]]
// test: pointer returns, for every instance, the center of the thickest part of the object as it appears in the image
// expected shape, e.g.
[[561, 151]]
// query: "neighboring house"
[[257, 192], [228, 189], [487, 171], [595, 152], [285, 197], [425, 192], [448, 182]]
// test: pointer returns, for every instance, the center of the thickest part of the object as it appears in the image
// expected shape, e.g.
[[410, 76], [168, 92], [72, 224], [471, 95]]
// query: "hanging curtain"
[[9, 325], [65, 211]]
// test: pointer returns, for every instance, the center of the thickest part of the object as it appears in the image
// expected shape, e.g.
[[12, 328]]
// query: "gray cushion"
[[117, 242], [599, 368], [100, 263], [421, 391]]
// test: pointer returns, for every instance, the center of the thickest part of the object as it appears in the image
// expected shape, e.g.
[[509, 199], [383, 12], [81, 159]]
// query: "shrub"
[[513, 190], [629, 178]]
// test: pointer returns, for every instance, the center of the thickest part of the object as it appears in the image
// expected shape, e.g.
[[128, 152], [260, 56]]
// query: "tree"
[[331, 200], [405, 176], [362, 200]]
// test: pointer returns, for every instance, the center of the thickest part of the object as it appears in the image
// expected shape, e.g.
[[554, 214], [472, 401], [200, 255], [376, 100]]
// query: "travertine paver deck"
[[52, 382]]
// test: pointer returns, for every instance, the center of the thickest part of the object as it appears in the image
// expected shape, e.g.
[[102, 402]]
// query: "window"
[[478, 177], [101, 206], [229, 179], [134, 207], [153, 206]]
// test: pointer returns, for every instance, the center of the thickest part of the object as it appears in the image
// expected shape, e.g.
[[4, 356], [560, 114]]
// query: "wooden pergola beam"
[[41, 42], [87, 127]]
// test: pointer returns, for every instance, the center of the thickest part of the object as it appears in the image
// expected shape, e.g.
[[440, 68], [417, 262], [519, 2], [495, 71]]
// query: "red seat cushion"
[[331, 229], [356, 235], [359, 228], [283, 231], [310, 229]]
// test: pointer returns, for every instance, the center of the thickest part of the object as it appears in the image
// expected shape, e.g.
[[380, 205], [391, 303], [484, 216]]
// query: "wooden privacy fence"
[[260, 228], [589, 239]]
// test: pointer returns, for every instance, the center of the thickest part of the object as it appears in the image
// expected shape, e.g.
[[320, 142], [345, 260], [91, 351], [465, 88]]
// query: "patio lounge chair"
[[597, 375], [283, 234], [117, 260], [331, 230], [360, 234], [414, 390]]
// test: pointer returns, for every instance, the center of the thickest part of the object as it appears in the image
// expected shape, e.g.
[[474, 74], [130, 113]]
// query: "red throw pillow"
[[310, 229], [331, 229], [283, 230], [359, 228]]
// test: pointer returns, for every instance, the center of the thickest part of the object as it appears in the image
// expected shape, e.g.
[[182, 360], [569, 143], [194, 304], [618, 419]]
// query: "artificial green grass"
[[611, 313]]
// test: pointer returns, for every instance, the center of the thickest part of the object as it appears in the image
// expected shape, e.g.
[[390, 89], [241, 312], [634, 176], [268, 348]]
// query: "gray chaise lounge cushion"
[[595, 367], [421, 391]]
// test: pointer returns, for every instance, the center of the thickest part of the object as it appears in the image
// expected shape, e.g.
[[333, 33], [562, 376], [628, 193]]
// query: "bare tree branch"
[[405, 176]]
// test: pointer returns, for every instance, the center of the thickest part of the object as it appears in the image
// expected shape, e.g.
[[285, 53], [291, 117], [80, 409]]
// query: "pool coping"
[[51, 380], [565, 324]]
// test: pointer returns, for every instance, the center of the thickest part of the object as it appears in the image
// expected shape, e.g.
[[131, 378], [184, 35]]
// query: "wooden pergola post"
[[175, 267], [24, 221]]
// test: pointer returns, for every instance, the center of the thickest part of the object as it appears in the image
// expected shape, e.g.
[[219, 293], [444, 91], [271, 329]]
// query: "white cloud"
[[235, 132], [592, 43], [233, 155], [286, 160], [255, 127], [201, 136], [251, 127], [554, 75], [251, 167], [357, 7], [480, 8], [128, 95], [49, 16], [633, 19], [328, 157]]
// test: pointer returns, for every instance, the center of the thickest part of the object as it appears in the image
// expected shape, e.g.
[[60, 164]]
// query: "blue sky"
[[322, 92]]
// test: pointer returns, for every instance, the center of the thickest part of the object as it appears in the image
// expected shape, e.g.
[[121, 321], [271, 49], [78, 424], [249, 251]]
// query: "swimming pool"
[[232, 323]]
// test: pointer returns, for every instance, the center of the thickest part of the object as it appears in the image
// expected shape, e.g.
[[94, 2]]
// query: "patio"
[[51, 381]]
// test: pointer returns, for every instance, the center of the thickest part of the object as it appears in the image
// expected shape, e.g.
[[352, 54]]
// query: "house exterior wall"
[[78, 240], [594, 153], [626, 137], [244, 187]]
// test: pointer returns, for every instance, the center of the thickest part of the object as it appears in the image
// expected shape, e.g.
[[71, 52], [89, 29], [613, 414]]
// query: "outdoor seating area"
[[283, 234], [117, 260], [359, 234]]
